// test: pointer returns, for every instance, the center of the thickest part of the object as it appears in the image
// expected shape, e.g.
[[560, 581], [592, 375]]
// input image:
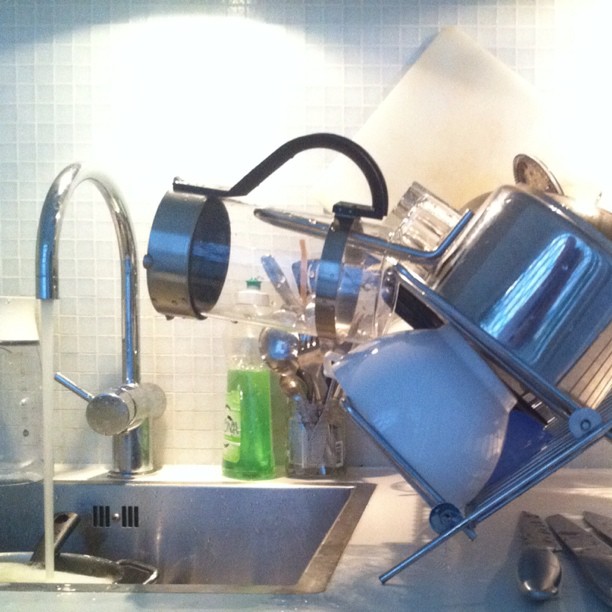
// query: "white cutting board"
[[453, 123]]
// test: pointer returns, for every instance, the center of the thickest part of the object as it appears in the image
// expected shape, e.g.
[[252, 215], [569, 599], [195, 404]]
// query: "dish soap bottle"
[[248, 451]]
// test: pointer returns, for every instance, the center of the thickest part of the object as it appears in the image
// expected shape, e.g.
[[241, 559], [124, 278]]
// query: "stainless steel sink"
[[201, 537]]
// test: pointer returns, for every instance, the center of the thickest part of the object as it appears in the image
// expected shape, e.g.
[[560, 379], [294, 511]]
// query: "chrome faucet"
[[125, 412]]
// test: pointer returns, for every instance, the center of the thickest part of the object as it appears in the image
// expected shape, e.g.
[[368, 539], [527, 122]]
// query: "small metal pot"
[[124, 571]]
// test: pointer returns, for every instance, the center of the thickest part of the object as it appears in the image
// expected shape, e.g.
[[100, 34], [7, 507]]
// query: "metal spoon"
[[295, 388], [279, 349]]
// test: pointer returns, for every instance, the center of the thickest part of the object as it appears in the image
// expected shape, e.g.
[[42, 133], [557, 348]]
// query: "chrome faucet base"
[[131, 456]]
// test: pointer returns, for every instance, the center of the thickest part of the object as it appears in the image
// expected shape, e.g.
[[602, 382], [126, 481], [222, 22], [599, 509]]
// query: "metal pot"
[[537, 279], [124, 571]]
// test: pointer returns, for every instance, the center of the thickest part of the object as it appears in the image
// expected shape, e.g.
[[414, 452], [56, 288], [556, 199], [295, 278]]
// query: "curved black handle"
[[322, 140]]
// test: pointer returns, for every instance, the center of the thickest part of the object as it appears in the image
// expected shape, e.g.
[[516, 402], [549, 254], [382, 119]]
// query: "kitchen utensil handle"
[[597, 569], [538, 573]]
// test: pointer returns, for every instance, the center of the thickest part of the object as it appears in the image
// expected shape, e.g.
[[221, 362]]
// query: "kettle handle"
[[320, 140]]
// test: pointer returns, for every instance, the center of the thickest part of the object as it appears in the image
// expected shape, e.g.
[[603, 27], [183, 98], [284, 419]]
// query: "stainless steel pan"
[[124, 571]]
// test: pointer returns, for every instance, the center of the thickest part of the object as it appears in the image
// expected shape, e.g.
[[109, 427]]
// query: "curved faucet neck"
[[49, 228]]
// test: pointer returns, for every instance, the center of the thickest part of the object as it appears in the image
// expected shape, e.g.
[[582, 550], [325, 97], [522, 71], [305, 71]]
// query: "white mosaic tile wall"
[[147, 90]]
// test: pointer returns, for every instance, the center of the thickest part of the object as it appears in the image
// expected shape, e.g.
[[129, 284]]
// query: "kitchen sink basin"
[[260, 538]]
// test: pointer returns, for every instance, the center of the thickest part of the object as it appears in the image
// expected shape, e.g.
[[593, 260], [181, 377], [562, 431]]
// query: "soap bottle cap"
[[253, 295]]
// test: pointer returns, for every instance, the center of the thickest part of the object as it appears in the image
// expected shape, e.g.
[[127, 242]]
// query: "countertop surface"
[[458, 575]]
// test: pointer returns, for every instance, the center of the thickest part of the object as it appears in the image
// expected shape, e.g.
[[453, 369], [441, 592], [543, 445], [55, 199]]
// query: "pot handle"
[[139, 571], [64, 523]]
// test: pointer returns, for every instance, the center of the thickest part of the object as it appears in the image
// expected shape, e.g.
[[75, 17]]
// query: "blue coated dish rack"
[[574, 429]]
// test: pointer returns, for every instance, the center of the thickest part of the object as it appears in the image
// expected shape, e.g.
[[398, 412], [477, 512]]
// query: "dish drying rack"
[[574, 429]]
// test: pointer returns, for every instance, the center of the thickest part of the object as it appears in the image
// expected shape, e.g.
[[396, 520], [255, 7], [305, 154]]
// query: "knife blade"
[[602, 525], [593, 556], [539, 568]]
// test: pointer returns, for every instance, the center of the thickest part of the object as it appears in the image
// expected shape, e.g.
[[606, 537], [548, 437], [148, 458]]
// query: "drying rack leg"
[[536, 473], [463, 524]]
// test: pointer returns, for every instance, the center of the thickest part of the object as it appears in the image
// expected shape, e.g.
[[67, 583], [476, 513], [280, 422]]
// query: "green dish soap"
[[248, 452]]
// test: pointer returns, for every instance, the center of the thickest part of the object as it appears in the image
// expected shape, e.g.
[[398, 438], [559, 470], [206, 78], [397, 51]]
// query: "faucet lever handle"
[[72, 386], [119, 410], [109, 413]]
